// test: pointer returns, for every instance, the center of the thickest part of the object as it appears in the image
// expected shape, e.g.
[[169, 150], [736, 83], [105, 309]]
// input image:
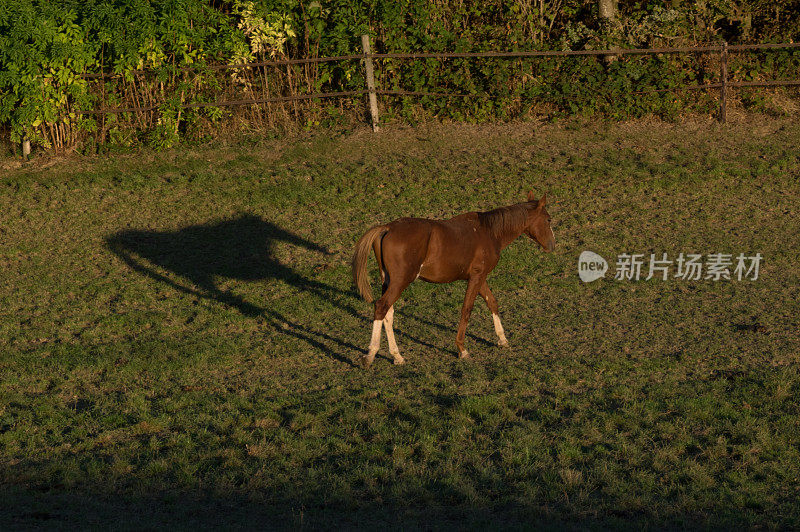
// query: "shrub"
[[159, 55]]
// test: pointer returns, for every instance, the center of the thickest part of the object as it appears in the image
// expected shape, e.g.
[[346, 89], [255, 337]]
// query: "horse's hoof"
[[503, 343], [463, 354], [366, 361], [399, 361]]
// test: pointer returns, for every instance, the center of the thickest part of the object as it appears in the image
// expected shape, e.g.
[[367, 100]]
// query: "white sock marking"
[[498, 328], [375, 342], [388, 323]]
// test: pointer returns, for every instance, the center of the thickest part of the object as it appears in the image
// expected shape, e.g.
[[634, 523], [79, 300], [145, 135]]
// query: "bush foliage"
[[62, 59]]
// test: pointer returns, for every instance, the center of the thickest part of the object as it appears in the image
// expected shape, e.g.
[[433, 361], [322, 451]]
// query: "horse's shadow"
[[242, 249]]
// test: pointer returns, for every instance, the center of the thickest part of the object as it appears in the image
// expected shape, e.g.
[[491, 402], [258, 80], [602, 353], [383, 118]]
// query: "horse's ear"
[[531, 196], [542, 202]]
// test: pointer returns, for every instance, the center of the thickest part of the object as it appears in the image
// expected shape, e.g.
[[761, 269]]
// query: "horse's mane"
[[504, 220]]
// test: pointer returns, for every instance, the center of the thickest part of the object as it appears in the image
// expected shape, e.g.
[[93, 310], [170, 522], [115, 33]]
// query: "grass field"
[[179, 336]]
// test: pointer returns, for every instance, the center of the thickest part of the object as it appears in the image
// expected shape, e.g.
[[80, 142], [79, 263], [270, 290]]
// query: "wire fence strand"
[[453, 55], [711, 48]]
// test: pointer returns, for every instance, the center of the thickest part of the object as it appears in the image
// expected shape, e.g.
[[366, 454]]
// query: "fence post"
[[373, 99], [723, 76], [26, 147]]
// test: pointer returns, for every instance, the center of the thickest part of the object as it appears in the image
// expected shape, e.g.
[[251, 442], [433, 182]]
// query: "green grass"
[[178, 335]]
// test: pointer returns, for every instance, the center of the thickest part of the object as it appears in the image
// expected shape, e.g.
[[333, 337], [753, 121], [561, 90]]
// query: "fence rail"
[[372, 91], [233, 103]]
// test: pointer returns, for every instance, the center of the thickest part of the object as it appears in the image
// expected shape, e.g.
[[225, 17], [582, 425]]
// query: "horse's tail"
[[360, 256]]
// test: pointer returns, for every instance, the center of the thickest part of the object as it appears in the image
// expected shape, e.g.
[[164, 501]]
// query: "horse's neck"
[[509, 236], [506, 223]]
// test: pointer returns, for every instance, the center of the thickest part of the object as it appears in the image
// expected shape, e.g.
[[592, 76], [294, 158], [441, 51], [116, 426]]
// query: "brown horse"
[[466, 247]]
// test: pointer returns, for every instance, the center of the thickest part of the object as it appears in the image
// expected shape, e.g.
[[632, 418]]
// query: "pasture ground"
[[178, 334]]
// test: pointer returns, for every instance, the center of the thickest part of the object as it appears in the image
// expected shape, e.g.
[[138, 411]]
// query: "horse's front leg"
[[466, 309]]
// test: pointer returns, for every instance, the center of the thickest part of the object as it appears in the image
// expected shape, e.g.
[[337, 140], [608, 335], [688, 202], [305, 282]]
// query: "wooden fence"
[[371, 91]]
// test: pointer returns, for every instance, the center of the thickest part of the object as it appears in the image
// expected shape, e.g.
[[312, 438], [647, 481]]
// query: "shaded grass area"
[[178, 333]]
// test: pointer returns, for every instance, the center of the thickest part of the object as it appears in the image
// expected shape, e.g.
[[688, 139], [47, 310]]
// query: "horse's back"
[[456, 246], [418, 233], [409, 232], [406, 242], [435, 250]]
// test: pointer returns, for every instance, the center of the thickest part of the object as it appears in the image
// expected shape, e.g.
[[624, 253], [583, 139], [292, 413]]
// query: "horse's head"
[[538, 227]]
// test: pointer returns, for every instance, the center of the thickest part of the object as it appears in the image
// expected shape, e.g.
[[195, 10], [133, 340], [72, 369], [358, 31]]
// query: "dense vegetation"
[[179, 336], [48, 47]]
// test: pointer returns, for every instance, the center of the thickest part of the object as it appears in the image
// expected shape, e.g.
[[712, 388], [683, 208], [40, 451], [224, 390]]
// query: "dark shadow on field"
[[241, 249], [61, 510], [57, 508]]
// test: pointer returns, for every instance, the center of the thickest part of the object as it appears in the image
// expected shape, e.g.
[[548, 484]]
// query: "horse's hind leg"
[[491, 302], [375, 340], [384, 316], [388, 324], [374, 344]]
